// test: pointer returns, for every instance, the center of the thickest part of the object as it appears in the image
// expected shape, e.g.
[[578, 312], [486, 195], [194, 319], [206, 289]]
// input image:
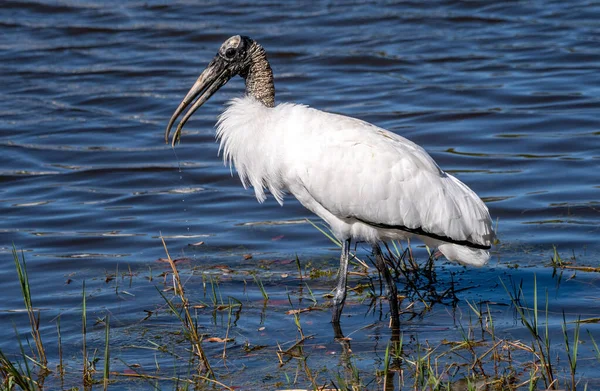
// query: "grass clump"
[[18, 373], [472, 350], [33, 314]]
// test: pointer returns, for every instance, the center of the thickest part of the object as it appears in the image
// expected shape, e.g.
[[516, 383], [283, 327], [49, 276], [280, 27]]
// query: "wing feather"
[[356, 170]]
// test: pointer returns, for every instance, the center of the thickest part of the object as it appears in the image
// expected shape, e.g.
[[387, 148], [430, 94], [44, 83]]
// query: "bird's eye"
[[230, 52]]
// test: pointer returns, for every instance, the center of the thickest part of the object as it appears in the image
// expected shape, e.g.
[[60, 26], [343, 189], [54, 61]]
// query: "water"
[[503, 95]]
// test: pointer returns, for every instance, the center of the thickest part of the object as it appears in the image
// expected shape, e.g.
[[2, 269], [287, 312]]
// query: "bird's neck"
[[259, 77]]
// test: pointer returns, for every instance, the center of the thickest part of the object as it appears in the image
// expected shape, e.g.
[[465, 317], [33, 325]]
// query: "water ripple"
[[502, 95]]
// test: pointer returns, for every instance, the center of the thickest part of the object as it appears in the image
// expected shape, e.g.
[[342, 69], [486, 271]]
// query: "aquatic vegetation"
[[34, 316], [211, 341], [189, 324]]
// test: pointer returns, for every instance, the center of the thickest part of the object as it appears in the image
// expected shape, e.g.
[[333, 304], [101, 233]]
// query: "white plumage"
[[367, 183], [349, 172]]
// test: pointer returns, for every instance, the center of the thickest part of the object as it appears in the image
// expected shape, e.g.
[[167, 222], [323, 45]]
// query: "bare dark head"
[[234, 52], [238, 55]]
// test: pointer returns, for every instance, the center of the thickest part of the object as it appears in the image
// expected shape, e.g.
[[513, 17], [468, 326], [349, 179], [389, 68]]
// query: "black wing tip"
[[422, 232]]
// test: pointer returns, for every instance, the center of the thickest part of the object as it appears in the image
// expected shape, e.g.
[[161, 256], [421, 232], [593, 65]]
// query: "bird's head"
[[235, 57]]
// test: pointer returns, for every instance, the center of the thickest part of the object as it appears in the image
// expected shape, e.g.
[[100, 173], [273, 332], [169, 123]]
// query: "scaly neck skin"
[[259, 77]]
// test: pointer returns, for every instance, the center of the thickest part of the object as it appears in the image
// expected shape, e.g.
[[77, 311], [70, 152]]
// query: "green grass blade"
[[106, 352], [329, 236]]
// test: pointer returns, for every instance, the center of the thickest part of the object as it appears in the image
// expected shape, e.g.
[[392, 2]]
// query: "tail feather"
[[464, 255]]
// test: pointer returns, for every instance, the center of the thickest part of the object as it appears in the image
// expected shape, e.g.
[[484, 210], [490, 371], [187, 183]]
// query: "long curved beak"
[[214, 77]]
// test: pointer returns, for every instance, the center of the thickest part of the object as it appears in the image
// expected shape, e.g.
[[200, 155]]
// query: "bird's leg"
[[391, 288], [337, 331], [339, 296]]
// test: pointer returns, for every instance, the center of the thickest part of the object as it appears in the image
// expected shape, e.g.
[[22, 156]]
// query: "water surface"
[[503, 95]]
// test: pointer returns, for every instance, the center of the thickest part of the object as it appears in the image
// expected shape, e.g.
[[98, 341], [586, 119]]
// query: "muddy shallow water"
[[502, 95]]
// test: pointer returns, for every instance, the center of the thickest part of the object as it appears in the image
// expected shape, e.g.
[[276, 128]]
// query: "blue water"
[[504, 95]]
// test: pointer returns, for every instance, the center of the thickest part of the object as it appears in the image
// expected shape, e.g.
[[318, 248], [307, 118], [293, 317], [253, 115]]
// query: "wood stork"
[[367, 183]]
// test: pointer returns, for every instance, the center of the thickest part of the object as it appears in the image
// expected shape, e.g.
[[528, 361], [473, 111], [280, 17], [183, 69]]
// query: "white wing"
[[358, 171], [348, 171]]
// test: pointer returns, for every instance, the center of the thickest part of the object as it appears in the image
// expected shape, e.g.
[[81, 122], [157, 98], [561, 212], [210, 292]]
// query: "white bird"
[[367, 183]]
